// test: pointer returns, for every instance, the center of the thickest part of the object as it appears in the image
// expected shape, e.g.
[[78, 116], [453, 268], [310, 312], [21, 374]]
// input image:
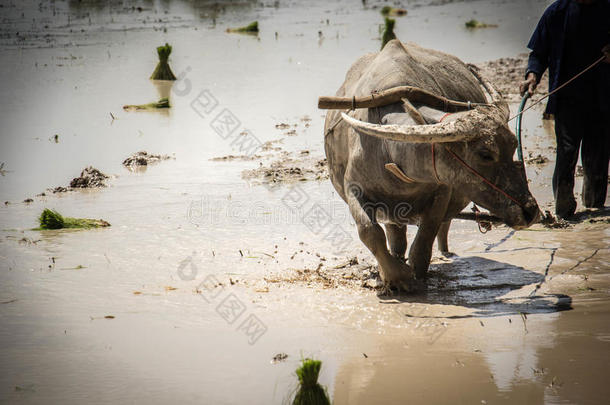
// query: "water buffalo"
[[409, 163]]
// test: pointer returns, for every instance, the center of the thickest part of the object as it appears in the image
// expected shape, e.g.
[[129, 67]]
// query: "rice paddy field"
[[210, 286]]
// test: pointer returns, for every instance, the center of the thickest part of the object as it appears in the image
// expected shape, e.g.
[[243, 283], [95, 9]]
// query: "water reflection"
[[164, 88]]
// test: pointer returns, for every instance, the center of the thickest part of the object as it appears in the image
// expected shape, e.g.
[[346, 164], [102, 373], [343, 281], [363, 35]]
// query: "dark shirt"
[[569, 37]]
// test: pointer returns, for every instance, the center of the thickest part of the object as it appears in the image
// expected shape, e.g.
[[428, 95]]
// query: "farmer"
[[571, 35]]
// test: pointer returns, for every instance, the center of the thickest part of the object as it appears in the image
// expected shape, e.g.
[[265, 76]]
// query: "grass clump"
[[162, 103], [251, 28], [388, 31], [478, 24], [310, 391], [391, 11], [163, 71], [51, 219]]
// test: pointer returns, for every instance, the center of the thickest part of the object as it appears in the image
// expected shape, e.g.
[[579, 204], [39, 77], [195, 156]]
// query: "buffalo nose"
[[531, 212]]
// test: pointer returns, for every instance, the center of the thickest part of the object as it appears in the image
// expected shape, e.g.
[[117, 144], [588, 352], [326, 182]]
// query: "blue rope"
[[518, 128]]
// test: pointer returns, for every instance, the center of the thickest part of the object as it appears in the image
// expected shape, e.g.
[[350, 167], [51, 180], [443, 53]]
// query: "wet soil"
[[536, 160], [289, 169], [506, 74], [143, 158], [276, 165], [90, 177]]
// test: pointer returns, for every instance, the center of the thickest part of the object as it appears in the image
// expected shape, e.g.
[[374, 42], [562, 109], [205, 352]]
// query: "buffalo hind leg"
[[441, 238], [397, 240], [394, 272]]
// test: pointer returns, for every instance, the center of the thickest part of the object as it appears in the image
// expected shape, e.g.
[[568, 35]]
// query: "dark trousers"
[[574, 125]]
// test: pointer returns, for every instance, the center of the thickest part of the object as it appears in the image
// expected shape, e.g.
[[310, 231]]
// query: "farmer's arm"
[[606, 52], [535, 69], [538, 62]]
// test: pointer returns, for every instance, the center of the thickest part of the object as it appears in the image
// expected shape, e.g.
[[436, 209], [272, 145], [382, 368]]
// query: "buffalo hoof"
[[397, 276], [413, 287]]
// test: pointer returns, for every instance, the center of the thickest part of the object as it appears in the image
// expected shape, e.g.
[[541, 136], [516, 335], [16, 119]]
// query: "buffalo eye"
[[486, 156]]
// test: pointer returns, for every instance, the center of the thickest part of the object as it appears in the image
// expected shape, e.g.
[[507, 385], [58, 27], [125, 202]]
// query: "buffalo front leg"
[[394, 272], [430, 224]]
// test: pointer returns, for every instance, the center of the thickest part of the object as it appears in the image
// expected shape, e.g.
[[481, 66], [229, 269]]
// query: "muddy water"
[[185, 224]]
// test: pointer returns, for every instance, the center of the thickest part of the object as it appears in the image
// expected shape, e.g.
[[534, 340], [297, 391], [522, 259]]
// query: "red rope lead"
[[444, 116], [479, 175], [484, 226]]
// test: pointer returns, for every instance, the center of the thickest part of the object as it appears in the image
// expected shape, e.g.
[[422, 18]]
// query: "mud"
[[506, 74], [354, 273], [90, 177], [536, 160], [289, 169], [269, 149], [144, 158], [277, 165]]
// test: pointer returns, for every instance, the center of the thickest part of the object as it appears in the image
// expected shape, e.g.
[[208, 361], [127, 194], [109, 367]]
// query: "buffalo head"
[[473, 153]]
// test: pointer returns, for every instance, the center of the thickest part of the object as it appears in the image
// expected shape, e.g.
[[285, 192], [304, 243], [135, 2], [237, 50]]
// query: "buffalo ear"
[[496, 98]]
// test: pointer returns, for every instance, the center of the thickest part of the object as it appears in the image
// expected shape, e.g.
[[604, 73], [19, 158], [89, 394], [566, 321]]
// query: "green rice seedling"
[[251, 28], [163, 71], [162, 103], [51, 219], [391, 11], [478, 24], [310, 391], [388, 31]]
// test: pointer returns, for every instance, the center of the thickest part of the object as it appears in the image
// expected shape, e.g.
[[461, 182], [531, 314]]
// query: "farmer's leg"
[[594, 155], [568, 131]]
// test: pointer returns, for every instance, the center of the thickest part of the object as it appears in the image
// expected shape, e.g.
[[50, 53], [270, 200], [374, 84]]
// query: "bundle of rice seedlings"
[[388, 31], [388, 10], [310, 391], [251, 28], [162, 103], [478, 24], [163, 71], [51, 219]]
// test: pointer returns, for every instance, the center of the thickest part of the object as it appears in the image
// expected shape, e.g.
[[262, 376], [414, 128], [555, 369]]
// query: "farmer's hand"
[[606, 52], [529, 85]]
